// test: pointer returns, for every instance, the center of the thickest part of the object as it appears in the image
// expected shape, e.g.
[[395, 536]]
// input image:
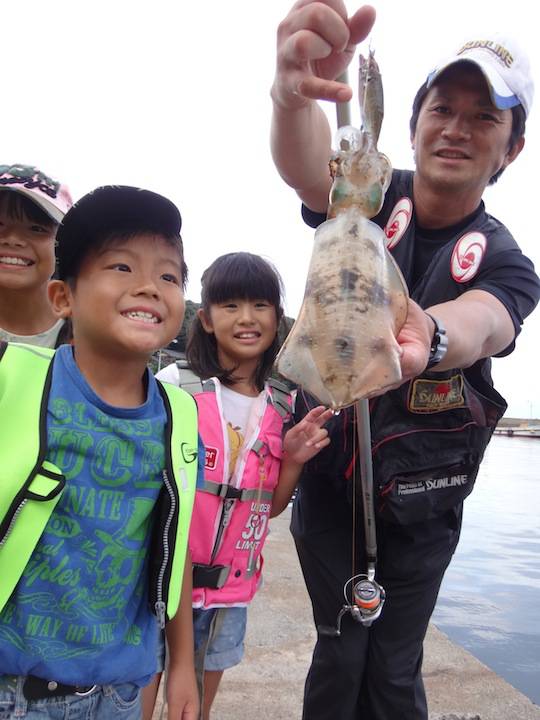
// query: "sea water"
[[490, 598]]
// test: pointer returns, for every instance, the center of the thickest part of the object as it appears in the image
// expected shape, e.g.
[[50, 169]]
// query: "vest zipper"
[[224, 521], [160, 605], [228, 504], [12, 522]]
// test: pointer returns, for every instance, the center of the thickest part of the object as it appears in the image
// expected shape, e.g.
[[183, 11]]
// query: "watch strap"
[[439, 343]]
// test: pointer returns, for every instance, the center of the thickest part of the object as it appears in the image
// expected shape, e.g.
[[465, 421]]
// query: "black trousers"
[[374, 673]]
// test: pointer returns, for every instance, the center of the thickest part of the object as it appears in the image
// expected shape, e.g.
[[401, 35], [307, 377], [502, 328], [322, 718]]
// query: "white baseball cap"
[[504, 65]]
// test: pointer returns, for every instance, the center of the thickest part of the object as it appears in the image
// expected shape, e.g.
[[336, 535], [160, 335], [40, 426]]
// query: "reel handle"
[[328, 631]]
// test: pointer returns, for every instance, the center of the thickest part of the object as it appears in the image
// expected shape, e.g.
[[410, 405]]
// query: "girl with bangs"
[[252, 461]]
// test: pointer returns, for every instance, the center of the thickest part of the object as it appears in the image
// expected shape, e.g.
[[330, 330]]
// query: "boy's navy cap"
[[108, 209]]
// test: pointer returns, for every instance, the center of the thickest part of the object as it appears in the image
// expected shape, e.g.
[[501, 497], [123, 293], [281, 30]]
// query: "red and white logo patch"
[[467, 256], [210, 458], [398, 222], [434, 396]]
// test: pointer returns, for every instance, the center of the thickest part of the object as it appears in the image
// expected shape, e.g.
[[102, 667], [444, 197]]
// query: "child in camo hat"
[[31, 207]]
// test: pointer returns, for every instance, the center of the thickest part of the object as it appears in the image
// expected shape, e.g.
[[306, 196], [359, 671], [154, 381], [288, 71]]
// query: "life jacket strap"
[[281, 397], [258, 446], [187, 379], [228, 492]]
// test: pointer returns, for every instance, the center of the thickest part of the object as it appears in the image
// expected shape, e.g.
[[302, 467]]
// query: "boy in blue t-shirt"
[[79, 632]]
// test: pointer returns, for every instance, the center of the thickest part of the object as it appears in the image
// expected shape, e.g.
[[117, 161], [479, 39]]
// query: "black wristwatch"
[[439, 344]]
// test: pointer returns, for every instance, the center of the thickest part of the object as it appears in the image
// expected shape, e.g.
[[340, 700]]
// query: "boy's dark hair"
[[108, 239], [18, 207], [239, 275], [518, 123]]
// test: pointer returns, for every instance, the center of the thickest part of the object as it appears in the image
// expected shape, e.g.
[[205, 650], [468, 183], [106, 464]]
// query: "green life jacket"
[[30, 486]]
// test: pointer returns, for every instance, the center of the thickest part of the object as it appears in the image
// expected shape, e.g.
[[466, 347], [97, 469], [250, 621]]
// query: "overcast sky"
[[174, 96]]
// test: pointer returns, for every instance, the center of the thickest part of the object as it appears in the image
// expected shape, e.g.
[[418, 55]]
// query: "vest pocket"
[[272, 455], [428, 441], [275, 446], [418, 496]]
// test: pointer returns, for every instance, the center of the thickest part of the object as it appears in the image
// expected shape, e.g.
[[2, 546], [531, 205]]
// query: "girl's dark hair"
[[239, 275], [18, 207], [518, 123]]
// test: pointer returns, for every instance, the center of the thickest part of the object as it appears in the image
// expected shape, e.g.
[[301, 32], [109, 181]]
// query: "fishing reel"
[[368, 600]]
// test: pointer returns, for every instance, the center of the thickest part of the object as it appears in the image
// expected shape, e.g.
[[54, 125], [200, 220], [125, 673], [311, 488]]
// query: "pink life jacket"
[[230, 514]]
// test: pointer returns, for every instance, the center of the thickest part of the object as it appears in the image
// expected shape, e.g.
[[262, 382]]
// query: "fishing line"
[[354, 500]]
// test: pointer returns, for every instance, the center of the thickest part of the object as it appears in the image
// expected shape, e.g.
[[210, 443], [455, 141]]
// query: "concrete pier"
[[268, 684]]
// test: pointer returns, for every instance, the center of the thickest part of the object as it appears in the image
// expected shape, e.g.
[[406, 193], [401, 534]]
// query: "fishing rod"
[[367, 596]]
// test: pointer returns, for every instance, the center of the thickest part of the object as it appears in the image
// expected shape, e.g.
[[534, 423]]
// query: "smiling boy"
[[31, 206], [78, 629]]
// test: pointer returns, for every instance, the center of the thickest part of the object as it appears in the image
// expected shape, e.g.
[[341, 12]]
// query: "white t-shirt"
[[47, 338], [169, 374], [241, 413], [237, 408]]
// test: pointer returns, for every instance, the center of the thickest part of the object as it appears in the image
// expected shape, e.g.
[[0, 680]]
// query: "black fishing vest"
[[429, 435]]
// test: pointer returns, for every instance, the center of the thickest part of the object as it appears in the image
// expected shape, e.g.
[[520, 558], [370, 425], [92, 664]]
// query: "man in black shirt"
[[464, 268]]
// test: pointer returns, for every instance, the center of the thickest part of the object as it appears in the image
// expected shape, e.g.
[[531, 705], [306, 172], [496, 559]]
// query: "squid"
[[342, 347]]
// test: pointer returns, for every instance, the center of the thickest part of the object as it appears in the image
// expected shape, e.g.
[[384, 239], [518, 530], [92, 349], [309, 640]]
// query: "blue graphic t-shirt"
[[80, 611]]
